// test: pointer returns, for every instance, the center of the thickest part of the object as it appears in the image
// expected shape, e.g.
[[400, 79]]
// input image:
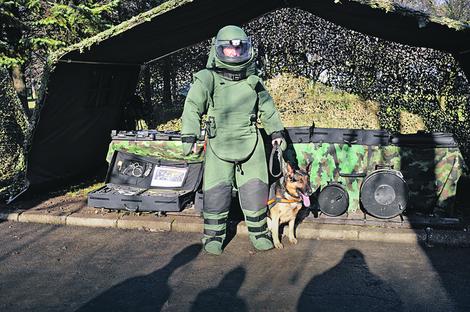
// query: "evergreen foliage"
[[13, 134], [36, 28]]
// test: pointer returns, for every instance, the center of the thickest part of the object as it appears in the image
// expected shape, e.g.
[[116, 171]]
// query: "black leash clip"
[[211, 127]]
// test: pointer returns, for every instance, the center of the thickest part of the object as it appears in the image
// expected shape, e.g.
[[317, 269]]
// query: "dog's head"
[[298, 182]]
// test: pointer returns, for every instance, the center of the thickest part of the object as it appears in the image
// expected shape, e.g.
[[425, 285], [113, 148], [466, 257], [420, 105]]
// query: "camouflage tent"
[[86, 85], [13, 131]]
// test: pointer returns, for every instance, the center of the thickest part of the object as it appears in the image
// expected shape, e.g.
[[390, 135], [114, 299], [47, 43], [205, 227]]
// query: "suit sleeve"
[[194, 107], [268, 114]]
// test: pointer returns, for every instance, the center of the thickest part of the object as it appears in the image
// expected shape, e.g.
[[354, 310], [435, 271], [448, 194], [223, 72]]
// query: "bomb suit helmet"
[[233, 46]]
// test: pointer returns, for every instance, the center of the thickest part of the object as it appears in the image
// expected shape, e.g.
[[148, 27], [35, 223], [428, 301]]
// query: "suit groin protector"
[[233, 98]]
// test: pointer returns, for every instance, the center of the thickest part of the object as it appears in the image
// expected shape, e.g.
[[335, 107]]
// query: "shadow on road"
[[349, 286], [224, 296], [37, 235], [142, 293]]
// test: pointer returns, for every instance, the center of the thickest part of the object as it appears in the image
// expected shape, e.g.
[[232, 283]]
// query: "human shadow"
[[223, 297], [142, 293], [349, 286]]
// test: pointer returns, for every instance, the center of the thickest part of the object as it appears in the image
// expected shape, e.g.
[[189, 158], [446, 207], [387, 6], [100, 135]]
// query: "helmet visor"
[[233, 51]]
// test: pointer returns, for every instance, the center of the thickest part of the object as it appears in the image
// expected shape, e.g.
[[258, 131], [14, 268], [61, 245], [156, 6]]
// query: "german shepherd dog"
[[291, 191]]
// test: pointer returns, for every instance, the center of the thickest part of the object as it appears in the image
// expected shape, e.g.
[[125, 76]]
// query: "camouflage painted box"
[[152, 143], [431, 163]]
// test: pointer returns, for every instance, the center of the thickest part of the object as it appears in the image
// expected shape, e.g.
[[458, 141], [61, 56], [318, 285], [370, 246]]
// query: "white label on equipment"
[[168, 176]]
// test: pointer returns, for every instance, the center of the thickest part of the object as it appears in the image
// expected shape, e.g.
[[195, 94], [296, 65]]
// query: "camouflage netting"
[[393, 86], [302, 56], [13, 128]]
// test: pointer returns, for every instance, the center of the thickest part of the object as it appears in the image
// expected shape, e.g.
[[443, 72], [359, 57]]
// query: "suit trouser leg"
[[217, 189], [252, 179]]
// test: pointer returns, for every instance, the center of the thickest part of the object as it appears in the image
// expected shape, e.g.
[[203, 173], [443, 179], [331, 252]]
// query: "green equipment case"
[[155, 177]]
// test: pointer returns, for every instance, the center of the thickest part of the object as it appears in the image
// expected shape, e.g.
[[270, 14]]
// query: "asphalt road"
[[53, 268]]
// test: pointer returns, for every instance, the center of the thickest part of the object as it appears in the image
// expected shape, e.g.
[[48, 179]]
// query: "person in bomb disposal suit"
[[233, 97]]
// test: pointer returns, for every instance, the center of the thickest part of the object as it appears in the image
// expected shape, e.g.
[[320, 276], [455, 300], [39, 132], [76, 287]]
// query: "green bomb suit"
[[233, 97]]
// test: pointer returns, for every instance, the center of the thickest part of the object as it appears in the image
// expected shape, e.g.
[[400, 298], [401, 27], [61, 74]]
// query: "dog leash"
[[276, 149]]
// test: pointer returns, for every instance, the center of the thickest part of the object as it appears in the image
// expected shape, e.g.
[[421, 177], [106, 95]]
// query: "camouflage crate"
[[168, 150], [431, 173], [331, 160]]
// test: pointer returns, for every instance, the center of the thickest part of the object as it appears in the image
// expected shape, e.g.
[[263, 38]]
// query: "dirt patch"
[[47, 203]]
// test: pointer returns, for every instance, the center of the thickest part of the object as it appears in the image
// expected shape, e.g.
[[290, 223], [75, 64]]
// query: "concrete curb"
[[187, 224], [12, 216], [306, 230], [146, 223], [41, 218], [327, 231], [92, 220]]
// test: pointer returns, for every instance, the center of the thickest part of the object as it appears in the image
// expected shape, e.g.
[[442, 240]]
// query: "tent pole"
[[464, 52], [98, 63], [165, 55]]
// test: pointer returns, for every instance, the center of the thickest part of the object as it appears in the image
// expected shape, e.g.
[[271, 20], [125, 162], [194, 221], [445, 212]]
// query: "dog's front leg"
[[275, 232], [292, 238]]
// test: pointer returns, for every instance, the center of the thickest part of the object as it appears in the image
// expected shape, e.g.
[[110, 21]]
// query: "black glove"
[[275, 136]]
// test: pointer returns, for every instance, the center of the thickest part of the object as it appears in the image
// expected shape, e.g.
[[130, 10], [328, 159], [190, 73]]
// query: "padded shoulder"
[[254, 82], [207, 78]]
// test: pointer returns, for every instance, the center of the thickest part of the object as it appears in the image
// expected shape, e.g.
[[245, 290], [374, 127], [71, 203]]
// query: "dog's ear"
[[287, 169], [309, 167]]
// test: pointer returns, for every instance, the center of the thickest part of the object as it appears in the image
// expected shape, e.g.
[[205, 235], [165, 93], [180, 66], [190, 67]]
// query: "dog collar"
[[283, 200]]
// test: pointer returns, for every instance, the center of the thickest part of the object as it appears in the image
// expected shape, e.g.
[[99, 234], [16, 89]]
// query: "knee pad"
[[218, 198], [253, 195]]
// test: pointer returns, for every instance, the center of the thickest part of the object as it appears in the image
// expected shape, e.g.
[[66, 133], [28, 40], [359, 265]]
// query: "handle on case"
[[353, 175], [132, 208], [349, 142]]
